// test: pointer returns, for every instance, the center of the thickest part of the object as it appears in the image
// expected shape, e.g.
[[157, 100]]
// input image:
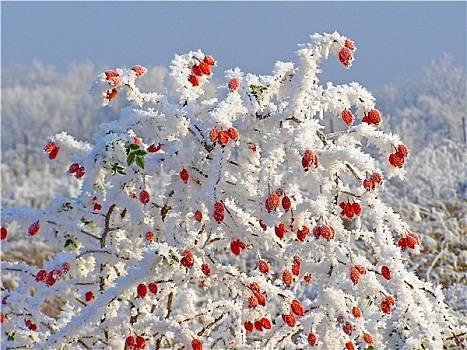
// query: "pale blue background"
[[394, 39]]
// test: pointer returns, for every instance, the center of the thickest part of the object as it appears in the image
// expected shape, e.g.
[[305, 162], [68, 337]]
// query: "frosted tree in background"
[[225, 223]]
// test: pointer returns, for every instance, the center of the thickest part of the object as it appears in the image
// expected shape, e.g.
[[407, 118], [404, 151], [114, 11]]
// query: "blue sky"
[[394, 39]]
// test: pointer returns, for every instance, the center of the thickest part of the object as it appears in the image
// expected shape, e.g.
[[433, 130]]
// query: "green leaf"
[[133, 146], [140, 153], [70, 242], [131, 158], [140, 162], [11, 336]]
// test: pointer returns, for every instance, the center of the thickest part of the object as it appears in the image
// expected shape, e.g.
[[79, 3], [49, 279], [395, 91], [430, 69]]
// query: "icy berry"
[[140, 342], [261, 299], [213, 134], [348, 210], [272, 202], [349, 44], [302, 233], [4, 233], [196, 345], [349, 346], [233, 133], [234, 83], [297, 308], [142, 290], [367, 338], [286, 203], [144, 197], [402, 243], [206, 269], [287, 277], [53, 154], [327, 231], [252, 146], [149, 236], [218, 216], [248, 326], [154, 148], [307, 278], [396, 159], [412, 239], [373, 117], [345, 56], [88, 296], [347, 116], [33, 228], [263, 266], [402, 149], [296, 267], [65, 267], [369, 184], [193, 80], [360, 269], [223, 138], [111, 94], [347, 328], [357, 209], [205, 68], [49, 147], [41, 275], [153, 287], [110, 74], [198, 216], [130, 341], [252, 302], [289, 319], [209, 60], [279, 230], [97, 206], [139, 70], [254, 286], [218, 207], [2, 317], [196, 70], [354, 275], [184, 175], [311, 339], [390, 300], [258, 325], [265, 323], [73, 168], [235, 247], [385, 307], [80, 172], [385, 272], [356, 312], [376, 177]]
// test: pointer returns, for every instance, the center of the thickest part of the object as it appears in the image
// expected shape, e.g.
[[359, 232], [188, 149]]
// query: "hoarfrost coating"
[[232, 158]]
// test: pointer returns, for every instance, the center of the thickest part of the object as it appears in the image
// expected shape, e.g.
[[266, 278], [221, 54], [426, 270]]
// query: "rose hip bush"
[[225, 223]]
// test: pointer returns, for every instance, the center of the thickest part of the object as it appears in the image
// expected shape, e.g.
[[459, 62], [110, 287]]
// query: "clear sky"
[[393, 39]]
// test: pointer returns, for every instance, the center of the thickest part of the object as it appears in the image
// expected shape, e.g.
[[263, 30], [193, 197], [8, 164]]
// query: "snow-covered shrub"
[[229, 222]]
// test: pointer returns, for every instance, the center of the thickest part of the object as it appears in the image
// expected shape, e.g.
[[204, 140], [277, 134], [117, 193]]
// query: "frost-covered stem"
[[107, 227], [210, 325]]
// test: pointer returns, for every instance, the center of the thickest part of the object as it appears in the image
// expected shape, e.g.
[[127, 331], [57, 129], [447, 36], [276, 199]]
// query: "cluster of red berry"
[[408, 241], [345, 54], [113, 77], [53, 275], [135, 343], [218, 213], [350, 209], [51, 149], [222, 136], [31, 326], [296, 308], [309, 159], [397, 158], [372, 180], [202, 68], [325, 231], [372, 117], [386, 304], [236, 246], [355, 273], [76, 169], [142, 289]]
